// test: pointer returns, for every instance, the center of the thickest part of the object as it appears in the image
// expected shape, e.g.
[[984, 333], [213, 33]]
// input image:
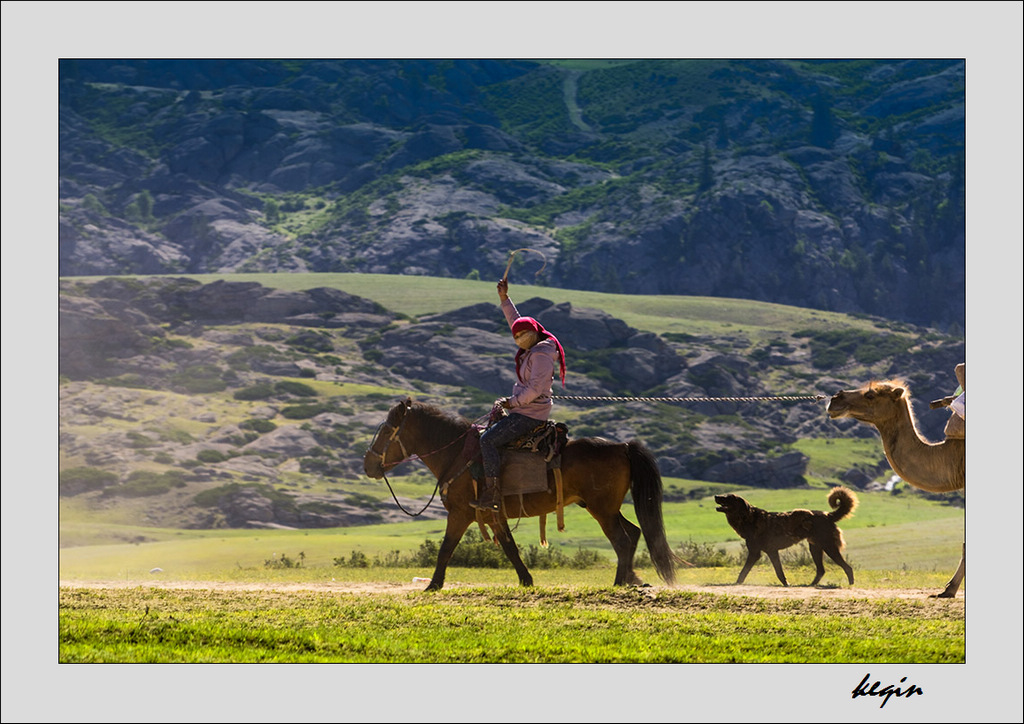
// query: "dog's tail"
[[843, 502]]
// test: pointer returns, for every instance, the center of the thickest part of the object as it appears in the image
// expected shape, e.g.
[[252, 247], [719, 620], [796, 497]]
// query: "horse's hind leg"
[[623, 536], [504, 536]]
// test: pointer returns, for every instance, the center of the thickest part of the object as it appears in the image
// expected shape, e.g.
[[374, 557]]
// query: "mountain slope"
[[836, 185]]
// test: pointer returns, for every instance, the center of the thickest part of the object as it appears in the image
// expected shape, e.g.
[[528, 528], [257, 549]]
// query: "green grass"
[[888, 532], [831, 457], [499, 624], [417, 296]]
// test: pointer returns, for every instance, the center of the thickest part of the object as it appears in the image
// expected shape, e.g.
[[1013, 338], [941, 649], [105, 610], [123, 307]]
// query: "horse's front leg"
[[504, 536], [455, 529]]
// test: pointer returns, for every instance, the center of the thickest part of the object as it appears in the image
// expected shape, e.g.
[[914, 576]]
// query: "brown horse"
[[596, 474]]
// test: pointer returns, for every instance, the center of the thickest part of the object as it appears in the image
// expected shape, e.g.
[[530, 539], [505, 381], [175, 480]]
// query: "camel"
[[935, 467]]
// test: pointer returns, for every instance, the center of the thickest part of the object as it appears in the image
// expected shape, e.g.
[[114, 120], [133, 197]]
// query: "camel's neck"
[[934, 467]]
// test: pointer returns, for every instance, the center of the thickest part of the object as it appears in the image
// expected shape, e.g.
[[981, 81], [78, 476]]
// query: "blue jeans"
[[507, 429]]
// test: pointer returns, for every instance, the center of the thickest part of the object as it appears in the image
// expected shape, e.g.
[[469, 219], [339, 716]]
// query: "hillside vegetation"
[[191, 403]]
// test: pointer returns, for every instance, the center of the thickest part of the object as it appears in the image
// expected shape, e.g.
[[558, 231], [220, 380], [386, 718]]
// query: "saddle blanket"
[[524, 464], [523, 472]]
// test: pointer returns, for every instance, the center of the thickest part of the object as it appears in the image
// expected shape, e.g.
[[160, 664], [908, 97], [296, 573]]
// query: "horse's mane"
[[441, 417], [440, 426]]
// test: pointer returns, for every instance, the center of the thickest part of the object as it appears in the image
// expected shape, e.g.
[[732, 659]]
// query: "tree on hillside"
[[823, 131], [271, 211], [707, 176]]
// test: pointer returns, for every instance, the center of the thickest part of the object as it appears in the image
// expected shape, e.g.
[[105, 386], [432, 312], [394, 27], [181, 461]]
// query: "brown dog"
[[771, 532]]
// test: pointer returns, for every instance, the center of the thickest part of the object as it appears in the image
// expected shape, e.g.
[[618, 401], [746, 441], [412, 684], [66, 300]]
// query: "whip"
[[504, 277]]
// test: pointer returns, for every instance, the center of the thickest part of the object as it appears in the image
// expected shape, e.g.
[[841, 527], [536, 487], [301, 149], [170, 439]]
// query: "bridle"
[[396, 434]]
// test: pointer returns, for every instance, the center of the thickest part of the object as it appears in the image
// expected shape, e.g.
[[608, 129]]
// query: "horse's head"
[[387, 449], [872, 403]]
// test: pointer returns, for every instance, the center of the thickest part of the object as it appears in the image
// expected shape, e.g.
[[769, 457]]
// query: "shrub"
[[144, 483], [137, 440], [91, 203], [311, 342], [83, 480], [211, 456], [702, 555], [284, 561], [212, 498], [243, 358], [299, 389], [259, 391], [319, 506], [474, 552], [358, 559], [201, 378], [260, 426], [833, 348], [304, 412], [550, 557], [129, 379], [362, 500]]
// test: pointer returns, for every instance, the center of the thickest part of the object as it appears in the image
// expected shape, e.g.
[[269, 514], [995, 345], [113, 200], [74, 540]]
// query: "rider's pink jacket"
[[532, 398]]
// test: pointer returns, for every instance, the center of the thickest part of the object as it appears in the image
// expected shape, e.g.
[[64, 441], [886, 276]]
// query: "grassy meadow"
[[419, 296], [887, 533], [132, 593]]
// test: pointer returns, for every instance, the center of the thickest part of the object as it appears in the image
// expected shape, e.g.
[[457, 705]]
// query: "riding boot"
[[489, 497]]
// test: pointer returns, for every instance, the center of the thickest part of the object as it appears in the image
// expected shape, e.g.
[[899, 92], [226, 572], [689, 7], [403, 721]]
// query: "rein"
[[406, 457]]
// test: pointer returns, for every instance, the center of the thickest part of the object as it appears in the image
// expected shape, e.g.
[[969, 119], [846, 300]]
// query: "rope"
[[779, 398]]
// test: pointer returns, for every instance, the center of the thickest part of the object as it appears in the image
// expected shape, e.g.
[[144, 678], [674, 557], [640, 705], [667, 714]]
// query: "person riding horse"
[[530, 403]]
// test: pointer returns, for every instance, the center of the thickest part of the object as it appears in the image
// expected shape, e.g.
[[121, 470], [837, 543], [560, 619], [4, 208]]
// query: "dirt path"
[[777, 593]]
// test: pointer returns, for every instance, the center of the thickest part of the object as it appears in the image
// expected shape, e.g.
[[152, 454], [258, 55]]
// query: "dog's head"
[[736, 509]]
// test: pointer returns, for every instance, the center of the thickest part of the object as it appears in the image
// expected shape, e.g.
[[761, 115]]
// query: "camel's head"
[[872, 403]]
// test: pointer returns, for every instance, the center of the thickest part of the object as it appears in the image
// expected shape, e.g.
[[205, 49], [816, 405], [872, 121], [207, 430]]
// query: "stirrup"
[[494, 505], [490, 490]]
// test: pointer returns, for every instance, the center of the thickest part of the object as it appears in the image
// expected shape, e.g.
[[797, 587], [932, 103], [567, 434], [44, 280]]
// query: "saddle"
[[956, 426], [524, 467]]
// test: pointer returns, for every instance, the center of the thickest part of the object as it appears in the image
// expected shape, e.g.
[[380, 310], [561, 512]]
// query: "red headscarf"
[[533, 325]]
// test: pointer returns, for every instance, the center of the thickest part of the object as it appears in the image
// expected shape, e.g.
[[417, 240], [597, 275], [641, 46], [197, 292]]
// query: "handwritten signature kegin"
[[876, 689]]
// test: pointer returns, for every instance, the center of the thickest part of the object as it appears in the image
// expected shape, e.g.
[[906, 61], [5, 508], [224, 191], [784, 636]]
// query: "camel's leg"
[[819, 563], [504, 536], [623, 536], [753, 554], [773, 556], [835, 554], [455, 529], [954, 583]]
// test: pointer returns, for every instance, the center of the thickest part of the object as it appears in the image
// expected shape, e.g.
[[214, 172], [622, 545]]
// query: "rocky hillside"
[[234, 404], [835, 185]]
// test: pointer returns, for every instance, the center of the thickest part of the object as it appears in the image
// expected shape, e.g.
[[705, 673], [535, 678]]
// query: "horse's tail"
[[646, 488]]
